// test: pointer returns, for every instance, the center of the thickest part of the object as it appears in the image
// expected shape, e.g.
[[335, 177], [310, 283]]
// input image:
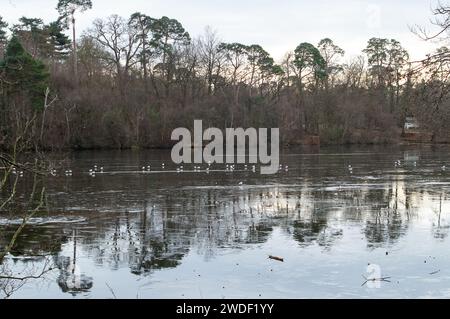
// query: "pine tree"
[[59, 43], [3, 26], [22, 78], [67, 10]]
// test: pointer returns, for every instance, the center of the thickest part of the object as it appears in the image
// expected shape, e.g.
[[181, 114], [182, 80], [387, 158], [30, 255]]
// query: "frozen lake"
[[336, 215]]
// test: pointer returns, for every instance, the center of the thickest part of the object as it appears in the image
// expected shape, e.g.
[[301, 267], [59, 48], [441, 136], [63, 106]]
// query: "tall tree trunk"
[[75, 55], [144, 61]]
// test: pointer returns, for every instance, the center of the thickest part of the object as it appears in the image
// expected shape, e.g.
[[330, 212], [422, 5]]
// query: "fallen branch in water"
[[276, 258], [25, 221], [382, 279]]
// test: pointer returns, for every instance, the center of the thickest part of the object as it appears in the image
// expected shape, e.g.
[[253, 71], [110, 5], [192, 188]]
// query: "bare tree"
[[441, 20], [210, 57], [12, 173], [120, 39]]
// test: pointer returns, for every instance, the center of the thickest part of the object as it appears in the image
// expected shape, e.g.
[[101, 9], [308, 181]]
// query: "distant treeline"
[[129, 81]]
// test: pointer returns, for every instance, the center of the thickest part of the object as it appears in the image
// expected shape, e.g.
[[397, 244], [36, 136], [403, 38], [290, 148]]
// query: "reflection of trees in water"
[[441, 226], [34, 240], [316, 230], [71, 279], [385, 211], [385, 229], [161, 236], [172, 224], [164, 233], [27, 260], [390, 219]]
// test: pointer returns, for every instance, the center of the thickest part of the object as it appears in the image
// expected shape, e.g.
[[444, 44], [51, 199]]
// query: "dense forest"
[[127, 82]]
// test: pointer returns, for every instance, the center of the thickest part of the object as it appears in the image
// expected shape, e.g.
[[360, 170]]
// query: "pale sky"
[[277, 25]]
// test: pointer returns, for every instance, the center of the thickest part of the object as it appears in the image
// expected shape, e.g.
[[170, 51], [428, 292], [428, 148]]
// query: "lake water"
[[167, 234]]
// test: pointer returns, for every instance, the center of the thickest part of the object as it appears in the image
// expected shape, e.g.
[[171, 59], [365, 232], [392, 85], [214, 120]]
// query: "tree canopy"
[[67, 7], [22, 75]]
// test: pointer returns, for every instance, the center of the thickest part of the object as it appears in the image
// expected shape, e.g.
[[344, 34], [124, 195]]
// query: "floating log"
[[276, 258]]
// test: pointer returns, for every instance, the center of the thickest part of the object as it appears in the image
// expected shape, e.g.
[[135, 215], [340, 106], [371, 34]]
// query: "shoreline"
[[282, 147]]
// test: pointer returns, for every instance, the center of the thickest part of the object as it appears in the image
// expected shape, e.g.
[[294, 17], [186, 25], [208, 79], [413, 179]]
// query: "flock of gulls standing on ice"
[[196, 169]]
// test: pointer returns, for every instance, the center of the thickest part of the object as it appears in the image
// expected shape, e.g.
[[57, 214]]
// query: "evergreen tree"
[[32, 35], [59, 43], [3, 26], [22, 77]]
